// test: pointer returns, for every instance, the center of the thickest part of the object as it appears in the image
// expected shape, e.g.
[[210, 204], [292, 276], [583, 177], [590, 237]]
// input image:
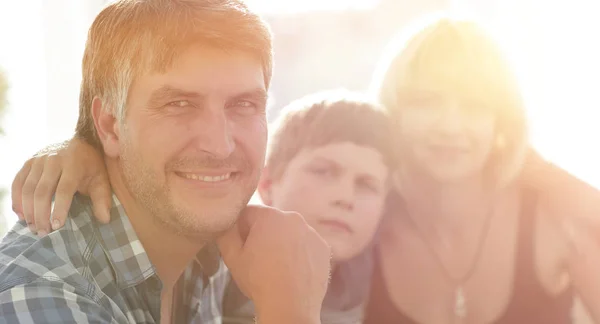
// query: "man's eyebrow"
[[259, 94], [167, 92]]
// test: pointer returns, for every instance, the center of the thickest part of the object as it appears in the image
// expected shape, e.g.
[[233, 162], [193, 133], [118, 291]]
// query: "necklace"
[[460, 308]]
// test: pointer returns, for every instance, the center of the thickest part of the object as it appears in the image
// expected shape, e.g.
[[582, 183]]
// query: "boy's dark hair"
[[324, 118]]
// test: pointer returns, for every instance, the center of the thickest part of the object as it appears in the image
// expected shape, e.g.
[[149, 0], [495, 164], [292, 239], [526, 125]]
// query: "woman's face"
[[447, 139]]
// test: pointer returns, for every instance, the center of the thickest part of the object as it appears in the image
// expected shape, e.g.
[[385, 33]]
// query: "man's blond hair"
[[132, 37]]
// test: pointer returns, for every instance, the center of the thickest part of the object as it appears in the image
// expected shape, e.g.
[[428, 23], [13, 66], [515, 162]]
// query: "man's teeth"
[[207, 178]]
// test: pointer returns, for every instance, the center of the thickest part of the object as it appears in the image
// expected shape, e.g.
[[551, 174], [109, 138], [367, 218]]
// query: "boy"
[[329, 160]]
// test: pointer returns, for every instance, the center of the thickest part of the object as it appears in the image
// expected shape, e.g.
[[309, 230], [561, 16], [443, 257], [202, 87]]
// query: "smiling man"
[[174, 95]]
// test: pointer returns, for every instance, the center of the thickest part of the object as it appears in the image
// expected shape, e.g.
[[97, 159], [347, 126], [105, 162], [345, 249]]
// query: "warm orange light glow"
[[271, 6]]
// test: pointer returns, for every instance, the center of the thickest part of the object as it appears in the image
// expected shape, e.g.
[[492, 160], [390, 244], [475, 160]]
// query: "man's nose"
[[214, 133]]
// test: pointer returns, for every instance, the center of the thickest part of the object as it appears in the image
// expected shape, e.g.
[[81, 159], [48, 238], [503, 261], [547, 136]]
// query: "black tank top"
[[530, 303]]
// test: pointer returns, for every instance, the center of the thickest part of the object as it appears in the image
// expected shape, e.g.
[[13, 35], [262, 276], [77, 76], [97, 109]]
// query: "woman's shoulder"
[[564, 203], [559, 192]]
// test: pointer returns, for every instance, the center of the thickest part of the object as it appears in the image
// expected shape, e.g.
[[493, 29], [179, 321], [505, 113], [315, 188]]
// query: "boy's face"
[[339, 188]]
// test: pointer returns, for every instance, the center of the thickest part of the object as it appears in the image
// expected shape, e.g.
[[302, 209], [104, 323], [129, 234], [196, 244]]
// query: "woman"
[[468, 237]]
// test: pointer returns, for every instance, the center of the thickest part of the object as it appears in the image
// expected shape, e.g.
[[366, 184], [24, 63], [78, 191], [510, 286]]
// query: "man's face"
[[340, 190], [193, 142]]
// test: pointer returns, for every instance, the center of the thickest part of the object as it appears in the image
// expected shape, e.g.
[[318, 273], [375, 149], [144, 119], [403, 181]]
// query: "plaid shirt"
[[87, 272]]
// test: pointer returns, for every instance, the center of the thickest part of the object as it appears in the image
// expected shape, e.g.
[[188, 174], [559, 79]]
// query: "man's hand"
[[60, 172], [280, 263]]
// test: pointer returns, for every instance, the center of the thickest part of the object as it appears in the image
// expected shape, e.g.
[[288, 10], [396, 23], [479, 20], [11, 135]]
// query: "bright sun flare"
[[550, 44]]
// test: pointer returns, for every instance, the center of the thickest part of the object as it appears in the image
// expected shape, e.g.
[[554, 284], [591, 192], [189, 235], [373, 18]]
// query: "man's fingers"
[[66, 189], [28, 190], [44, 190], [251, 214], [230, 245], [101, 196], [17, 188]]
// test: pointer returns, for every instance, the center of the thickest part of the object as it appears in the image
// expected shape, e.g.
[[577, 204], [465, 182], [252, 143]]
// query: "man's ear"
[[265, 185], [107, 127]]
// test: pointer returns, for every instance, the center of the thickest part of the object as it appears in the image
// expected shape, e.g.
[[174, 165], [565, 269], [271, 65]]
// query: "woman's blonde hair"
[[457, 57]]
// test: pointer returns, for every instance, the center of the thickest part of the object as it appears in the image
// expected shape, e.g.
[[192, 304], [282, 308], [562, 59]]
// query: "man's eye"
[[244, 107], [179, 103]]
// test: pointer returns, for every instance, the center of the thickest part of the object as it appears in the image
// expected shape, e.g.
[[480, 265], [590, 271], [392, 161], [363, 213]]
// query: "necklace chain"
[[460, 301]]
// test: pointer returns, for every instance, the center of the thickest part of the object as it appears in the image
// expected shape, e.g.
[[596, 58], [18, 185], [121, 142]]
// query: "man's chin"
[[209, 221], [207, 215]]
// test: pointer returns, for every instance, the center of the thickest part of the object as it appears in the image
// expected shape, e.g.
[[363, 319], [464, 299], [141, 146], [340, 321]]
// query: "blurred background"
[[319, 44]]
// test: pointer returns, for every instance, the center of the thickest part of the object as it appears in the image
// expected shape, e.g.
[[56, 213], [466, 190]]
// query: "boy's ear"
[[265, 185]]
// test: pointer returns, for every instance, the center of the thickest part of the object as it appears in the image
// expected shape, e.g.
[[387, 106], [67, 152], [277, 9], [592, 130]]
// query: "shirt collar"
[[128, 257], [209, 259]]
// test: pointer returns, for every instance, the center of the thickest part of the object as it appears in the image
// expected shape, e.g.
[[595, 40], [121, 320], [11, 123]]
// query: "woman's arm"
[[562, 192], [583, 264], [60, 171], [575, 209]]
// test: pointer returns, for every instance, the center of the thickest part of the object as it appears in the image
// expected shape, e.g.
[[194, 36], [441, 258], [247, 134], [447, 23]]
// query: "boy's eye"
[[368, 185], [321, 171]]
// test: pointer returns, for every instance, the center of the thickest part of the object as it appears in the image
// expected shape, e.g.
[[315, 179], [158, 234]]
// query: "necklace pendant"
[[460, 303]]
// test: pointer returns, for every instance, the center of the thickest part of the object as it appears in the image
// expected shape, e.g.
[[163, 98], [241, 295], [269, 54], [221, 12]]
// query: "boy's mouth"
[[336, 225]]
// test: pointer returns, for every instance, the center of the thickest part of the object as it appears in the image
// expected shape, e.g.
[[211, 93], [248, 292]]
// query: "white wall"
[[554, 52], [22, 58], [41, 44], [66, 23]]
